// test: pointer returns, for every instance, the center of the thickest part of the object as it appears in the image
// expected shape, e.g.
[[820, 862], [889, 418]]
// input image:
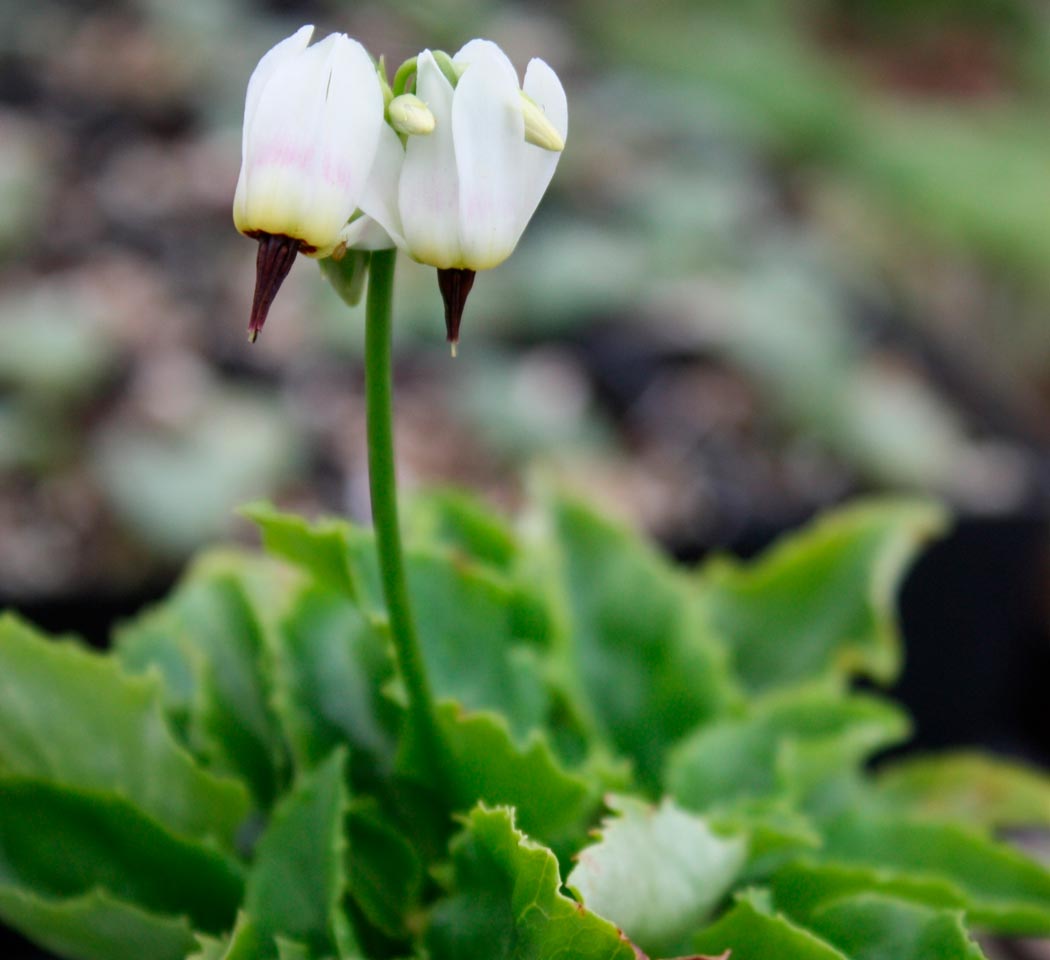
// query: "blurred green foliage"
[[237, 771]]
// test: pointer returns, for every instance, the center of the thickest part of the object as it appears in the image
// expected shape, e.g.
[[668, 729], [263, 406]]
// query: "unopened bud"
[[538, 129], [410, 115]]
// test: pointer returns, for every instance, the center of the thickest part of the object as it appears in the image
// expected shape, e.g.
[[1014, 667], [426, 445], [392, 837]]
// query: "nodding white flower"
[[467, 190], [313, 117]]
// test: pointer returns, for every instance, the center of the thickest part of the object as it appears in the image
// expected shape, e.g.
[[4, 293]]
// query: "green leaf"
[[875, 927], [487, 765], [480, 633], [803, 887], [642, 661], [656, 872], [249, 941], [821, 600], [244, 942], [978, 789], [999, 887], [297, 882], [776, 831], [290, 950], [60, 842], [319, 548], [506, 902], [95, 926], [332, 664], [209, 948], [452, 519], [73, 717], [386, 873], [480, 641], [208, 636], [752, 931], [792, 742], [157, 640]]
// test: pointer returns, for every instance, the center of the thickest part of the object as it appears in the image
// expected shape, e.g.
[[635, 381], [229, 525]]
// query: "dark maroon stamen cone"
[[275, 259], [455, 284]]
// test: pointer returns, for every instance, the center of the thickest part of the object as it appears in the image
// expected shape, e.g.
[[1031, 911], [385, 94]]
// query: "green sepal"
[[347, 274]]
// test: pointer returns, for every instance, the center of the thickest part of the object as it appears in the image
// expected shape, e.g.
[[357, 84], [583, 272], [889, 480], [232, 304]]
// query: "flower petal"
[[288, 48], [270, 62], [429, 188], [380, 197], [311, 144], [351, 127], [364, 233], [545, 89], [485, 50], [489, 133]]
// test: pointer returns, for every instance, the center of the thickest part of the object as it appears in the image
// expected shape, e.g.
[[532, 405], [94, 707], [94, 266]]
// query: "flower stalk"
[[383, 488]]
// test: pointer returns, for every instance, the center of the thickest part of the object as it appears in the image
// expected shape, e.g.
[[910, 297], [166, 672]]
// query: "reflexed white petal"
[[538, 165], [270, 61], [311, 144], [477, 51], [429, 191], [282, 145], [364, 233], [351, 125], [380, 197], [489, 134]]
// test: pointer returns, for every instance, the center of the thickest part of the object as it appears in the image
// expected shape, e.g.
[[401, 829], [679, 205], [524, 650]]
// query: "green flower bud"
[[538, 129], [409, 115]]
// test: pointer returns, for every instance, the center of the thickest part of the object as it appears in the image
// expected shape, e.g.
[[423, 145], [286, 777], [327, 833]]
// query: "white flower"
[[467, 191], [313, 118]]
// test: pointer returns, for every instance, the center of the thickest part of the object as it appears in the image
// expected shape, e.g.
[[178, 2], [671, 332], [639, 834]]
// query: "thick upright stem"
[[383, 486]]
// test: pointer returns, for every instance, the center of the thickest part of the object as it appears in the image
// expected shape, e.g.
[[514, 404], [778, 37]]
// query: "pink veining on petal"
[[334, 172], [283, 154], [478, 207]]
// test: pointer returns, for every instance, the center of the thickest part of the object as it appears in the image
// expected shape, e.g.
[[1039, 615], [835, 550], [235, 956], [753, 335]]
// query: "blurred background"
[[795, 252]]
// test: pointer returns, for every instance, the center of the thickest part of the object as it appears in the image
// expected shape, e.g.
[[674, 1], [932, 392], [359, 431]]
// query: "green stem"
[[383, 485]]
